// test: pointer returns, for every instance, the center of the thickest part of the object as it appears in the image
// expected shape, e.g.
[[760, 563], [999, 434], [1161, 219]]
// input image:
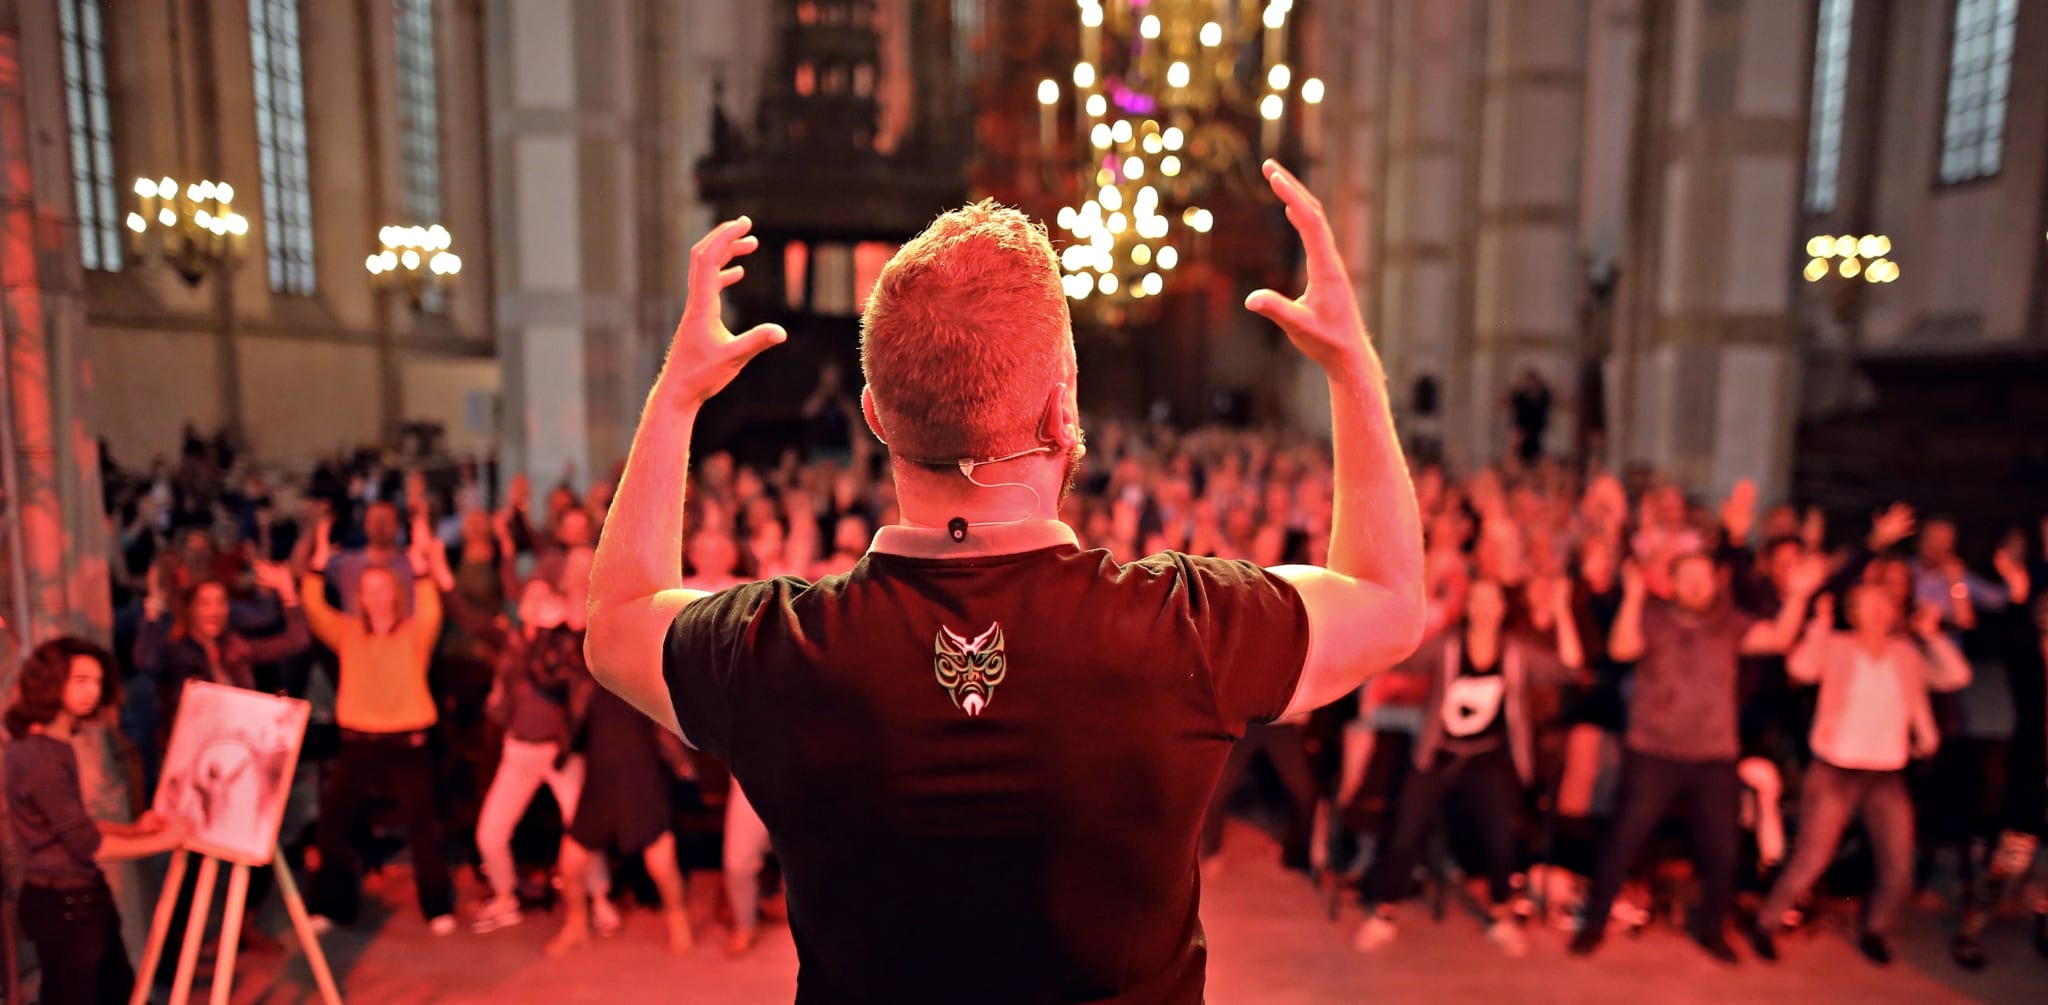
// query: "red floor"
[[1269, 943]]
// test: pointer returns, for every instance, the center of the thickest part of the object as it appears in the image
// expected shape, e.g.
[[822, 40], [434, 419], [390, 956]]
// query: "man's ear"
[[867, 409], [1062, 425]]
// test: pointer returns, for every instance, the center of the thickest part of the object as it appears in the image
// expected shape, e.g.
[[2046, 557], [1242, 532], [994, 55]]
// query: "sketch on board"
[[229, 767]]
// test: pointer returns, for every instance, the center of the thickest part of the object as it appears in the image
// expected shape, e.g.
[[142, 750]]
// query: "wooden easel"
[[239, 857], [230, 929]]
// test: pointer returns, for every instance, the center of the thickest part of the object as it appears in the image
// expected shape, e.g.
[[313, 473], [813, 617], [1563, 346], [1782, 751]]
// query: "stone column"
[[599, 113], [1708, 358], [1349, 50], [541, 133], [1528, 271], [1424, 186], [54, 524]]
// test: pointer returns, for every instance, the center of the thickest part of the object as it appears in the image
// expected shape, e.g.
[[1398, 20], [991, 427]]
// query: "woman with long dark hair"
[[1476, 747], [66, 908], [198, 642]]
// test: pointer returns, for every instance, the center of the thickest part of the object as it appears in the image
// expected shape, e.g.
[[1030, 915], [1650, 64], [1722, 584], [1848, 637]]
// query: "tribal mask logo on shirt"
[[970, 669]]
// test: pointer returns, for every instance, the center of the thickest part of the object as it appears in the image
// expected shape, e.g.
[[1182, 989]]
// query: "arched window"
[[92, 137], [1979, 77], [281, 144]]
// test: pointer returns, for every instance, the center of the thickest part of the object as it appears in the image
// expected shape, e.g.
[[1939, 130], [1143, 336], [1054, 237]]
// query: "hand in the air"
[[706, 355], [1738, 512], [1808, 576], [1324, 322], [1824, 611], [277, 577], [2011, 566], [1927, 621], [1891, 525], [323, 544], [1632, 585]]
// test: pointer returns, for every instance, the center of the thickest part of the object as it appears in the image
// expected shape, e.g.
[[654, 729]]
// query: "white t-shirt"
[[1873, 733]]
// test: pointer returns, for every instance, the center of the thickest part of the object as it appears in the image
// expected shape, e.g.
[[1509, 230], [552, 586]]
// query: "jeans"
[[1487, 792], [522, 770], [77, 935], [746, 852], [1831, 797], [1711, 794], [400, 764]]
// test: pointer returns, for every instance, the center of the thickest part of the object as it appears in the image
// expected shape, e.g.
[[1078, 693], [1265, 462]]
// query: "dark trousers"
[[1831, 797], [77, 935], [1286, 748], [1484, 790], [401, 766], [1710, 794]]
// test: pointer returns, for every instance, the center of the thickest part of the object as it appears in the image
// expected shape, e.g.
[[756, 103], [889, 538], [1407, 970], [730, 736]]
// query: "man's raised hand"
[[1891, 525], [1324, 322], [705, 355], [1738, 512]]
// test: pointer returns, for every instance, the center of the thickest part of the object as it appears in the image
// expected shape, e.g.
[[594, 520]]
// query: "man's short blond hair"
[[965, 336]]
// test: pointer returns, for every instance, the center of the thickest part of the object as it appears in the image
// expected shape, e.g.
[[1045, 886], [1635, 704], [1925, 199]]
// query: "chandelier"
[[415, 260], [195, 228], [1163, 113], [1854, 256]]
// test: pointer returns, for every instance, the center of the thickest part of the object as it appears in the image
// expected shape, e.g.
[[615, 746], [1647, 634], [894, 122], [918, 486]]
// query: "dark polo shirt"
[[1685, 686], [984, 764]]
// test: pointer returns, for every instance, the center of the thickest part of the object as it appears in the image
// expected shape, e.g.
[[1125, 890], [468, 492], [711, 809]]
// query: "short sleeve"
[[1253, 630], [697, 661], [1739, 622], [1657, 625]]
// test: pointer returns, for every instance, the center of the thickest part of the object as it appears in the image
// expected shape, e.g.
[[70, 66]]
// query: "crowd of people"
[[1605, 658]]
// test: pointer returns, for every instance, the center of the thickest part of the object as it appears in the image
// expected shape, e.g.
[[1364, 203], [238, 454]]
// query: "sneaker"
[[1629, 915], [604, 917], [496, 913], [1375, 934], [1764, 944], [1506, 934], [320, 924], [442, 924], [1875, 948], [741, 942], [1588, 940]]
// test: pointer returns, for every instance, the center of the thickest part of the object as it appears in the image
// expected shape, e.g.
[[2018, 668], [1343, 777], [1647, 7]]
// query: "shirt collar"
[[981, 542]]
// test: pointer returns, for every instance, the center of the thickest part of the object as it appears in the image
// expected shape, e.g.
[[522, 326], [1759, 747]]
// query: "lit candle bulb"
[[1048, 96]]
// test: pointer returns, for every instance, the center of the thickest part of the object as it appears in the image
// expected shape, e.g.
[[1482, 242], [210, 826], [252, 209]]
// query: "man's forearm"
[[1375, 528], [1785, 629], [641, 552], [1571, 650], [1625, 641]]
